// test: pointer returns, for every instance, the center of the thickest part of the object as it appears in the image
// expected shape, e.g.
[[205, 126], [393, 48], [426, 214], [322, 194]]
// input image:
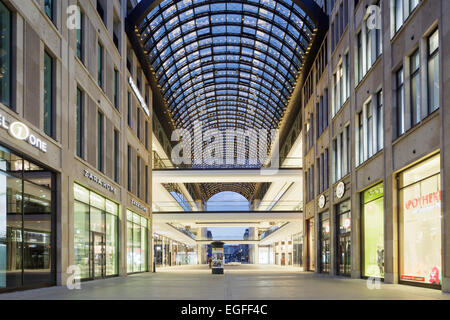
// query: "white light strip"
[[139, 96]]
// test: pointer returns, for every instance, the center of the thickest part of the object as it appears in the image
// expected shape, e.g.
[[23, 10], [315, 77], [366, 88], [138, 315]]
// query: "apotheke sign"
[[20, 131], [139, 96], [99, 181]]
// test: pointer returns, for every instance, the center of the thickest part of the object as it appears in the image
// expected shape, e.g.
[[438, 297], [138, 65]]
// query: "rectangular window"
[[359, 57], [146, 184], [116, 89], [116, 155], [433, 72], [398, 14], [138, 122], [5, 57], [129, 109], [80, 124], [48, 96], [80, 37], [100, 11], [129, 168], [146, 135], [100, 142], [100, 65], [361, 137], [415, 88], [400, 97], [341, 158], [48, 8], [138, 177], [380, 126]]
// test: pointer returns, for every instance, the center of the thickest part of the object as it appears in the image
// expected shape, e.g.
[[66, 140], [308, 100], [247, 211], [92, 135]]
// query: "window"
[[80, 124], [100, 65], [322, 114], [116, 155], [359, 57], [380, 130], [48, 96], [138, 122], [129, 168], [116, 89], [146, 184], [370, 128], [369, 48], [80, 37], [415, 87], [433, 72], [310, 134], [129, 109], [341, 85], [138, 176], [323, 171], [48, 8], [341, 155], [146, 135], [400, 97], [5, 57], [401, 11], [100, 143], [101, 11], [310, 184]]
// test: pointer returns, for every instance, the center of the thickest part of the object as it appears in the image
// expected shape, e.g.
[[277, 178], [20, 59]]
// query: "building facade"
[[75, 145], [376, 137]]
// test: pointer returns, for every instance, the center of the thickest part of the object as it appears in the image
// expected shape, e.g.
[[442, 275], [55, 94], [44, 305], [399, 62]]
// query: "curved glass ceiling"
[[229, 64]]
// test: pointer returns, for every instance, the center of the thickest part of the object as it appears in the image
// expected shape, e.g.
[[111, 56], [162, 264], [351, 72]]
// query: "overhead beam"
[[227, 217]]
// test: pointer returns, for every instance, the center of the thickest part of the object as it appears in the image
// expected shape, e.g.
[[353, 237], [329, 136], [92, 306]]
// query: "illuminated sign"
[[99, 181], [423, 201], [340, 190], [20, 131], [322, 202], [139, 96]]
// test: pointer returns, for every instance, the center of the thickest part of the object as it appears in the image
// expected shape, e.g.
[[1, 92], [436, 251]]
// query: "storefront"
[[325, 243], [96, 229], [137, 243], [311, 245], [297, 249], [373, 232], [420, 223], [344, 241], [27, 223], [263, 254]]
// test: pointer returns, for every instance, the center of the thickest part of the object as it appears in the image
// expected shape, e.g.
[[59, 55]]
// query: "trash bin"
[[217, 257]]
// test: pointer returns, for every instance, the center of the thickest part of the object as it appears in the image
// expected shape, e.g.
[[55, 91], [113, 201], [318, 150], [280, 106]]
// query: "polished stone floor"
[[245, 282]]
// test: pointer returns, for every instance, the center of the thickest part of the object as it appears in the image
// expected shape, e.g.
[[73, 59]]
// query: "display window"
[[420, 223], [27, 221], [297, 249], [137, 243], [373, 232], [325, 243], [311, 245], [344, 239], [96, 229]]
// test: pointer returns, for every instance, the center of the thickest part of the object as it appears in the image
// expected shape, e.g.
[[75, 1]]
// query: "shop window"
[[420, 223], [96, 242], [373, 232], [137, 243], [27, 248], [325, 243], [344, 243], [5, 58]]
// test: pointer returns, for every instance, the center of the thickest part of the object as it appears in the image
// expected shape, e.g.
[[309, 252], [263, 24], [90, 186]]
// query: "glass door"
[[344, 255], [98, 252]]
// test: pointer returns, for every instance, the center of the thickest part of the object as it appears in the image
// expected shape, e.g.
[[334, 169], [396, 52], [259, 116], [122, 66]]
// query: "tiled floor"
[[239, 282]]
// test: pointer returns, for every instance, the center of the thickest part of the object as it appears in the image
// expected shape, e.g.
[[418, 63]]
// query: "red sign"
[[427, 200], [412, 278]]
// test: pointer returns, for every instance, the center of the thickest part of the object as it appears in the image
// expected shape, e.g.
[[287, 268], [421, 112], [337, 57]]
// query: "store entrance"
[[344, 254], [98, 252]]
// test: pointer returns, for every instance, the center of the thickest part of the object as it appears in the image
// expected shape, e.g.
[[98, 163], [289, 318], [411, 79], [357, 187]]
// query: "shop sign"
[[431, 199], [99, 181], [322, 201], [20, 131], [340, 190], [138, 205], [374, 193], [139, 96]]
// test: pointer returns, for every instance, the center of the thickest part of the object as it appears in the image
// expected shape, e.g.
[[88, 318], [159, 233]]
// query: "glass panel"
[[97, 220], [5, 57], [48, 7], [111, 249], [137, 253], [97, 201], [81, 194], [81, 238], [10, 230], [37, 257], [144, 246], [373, 231], [129, 247]]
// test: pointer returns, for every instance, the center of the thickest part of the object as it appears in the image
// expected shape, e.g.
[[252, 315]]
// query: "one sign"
[[138, 205], [340, 190], [20, 131], [139, 96]]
